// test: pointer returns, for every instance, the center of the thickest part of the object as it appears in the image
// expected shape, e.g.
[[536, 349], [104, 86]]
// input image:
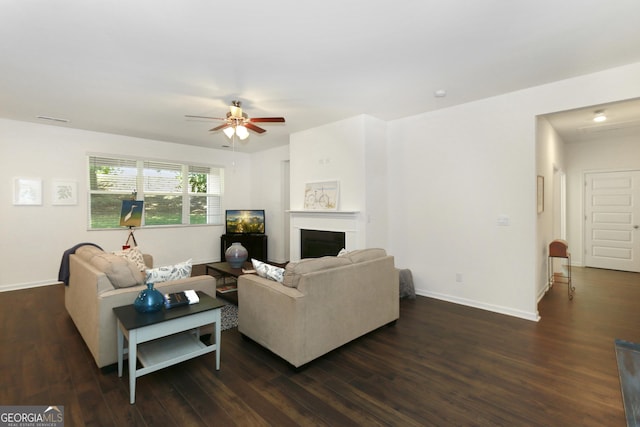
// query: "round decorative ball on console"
[[149, 300], [236, 255]]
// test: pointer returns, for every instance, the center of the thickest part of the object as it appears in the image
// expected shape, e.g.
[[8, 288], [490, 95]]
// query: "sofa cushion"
[[181, 270], [268, 271], [121, 272], [134, 255], [360, 255], [293, 270]]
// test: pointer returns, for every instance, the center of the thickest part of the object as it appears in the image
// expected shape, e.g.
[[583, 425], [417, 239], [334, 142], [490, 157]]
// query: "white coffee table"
[[166, 337]]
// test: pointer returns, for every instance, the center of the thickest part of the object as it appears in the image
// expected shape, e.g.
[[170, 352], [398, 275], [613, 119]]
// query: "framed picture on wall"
[[64, 192], [27, 191], [540, 186], [321, 196]]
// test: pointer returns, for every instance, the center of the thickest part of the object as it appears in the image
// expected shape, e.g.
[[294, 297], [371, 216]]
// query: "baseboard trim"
[[19, 286], [534, 317]]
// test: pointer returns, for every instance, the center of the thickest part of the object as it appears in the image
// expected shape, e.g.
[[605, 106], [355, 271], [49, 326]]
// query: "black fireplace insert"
[[318, 243]]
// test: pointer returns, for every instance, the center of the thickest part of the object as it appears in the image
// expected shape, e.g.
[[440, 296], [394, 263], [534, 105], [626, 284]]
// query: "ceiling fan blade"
[[267, 119], [254, 128], [203, 117], [226, 125]]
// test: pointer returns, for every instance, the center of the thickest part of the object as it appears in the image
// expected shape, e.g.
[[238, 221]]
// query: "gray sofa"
[[322, 304], [91, 295]]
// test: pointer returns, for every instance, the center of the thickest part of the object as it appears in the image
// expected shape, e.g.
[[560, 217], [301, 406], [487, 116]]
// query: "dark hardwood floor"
[[441, 364]]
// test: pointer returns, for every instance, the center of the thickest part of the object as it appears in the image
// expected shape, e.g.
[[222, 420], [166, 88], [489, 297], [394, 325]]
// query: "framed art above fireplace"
[[321, 195]]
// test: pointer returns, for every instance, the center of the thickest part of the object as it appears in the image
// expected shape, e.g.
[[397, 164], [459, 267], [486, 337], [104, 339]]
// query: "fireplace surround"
[[347, 222]]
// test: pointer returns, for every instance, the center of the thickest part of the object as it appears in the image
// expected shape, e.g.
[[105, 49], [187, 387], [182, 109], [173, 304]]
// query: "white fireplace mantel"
[[342, 221]]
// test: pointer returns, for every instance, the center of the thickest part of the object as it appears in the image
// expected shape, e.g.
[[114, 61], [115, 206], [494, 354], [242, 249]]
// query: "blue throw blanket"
[[63, 274]]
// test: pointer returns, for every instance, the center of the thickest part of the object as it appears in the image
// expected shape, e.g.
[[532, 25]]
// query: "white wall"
[[549, 164], [335, 151], [605, 153], [377, 183], [453, 172], [34, 237], [353, 152], [330, 152], [268, 192]]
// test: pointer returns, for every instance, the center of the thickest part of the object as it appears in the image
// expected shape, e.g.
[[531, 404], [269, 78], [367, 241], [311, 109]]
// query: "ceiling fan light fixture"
[[242, 132], [229, 132], [238, 122]]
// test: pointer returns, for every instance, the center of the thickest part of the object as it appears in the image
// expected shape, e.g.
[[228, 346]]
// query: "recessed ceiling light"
[[599, 116], [440, 93], [53, 119]]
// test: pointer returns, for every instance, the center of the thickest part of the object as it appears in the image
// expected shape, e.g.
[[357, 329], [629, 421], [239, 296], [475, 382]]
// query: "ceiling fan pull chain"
[[233, 151]]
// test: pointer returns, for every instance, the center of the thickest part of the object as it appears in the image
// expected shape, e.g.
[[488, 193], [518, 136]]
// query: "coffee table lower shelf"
[[164, 352]]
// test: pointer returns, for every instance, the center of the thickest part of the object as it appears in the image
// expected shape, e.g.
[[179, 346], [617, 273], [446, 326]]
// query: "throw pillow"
[[170, 272], [134, 255], [121, 272], [343, 252], [268, 271]]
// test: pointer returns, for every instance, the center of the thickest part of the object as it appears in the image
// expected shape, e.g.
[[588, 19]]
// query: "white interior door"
[[612, 220]]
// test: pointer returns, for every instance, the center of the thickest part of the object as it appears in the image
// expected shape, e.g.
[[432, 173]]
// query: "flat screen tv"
[[250, 221]]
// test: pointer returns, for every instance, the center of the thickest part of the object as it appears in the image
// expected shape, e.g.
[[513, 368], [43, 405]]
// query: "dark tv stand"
[[256, 245]]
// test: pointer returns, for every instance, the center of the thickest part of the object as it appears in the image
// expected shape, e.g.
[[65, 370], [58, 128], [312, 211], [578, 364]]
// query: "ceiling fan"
[[238, 122]]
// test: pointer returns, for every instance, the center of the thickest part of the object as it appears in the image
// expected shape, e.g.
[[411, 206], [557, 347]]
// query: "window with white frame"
[[173, 193]]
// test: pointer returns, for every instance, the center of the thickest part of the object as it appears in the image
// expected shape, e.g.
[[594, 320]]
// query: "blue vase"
[[236, 255], [149, 300]]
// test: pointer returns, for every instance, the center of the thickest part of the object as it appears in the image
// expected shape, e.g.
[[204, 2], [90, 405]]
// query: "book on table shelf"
[[178, 299], [227, 288]]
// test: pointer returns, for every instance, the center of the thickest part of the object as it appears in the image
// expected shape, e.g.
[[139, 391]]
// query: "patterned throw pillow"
[[268, 271], [170, 272], [134, 255]]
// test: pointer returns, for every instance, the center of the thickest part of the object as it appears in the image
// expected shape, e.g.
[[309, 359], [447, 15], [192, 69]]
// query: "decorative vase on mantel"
[[236, 255], [149, 300]]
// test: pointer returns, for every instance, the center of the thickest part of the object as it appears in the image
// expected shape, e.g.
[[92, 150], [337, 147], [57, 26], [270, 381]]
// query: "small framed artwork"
[[540, 187], [321, 196], [131, 213], [27, 191], [64, 192]]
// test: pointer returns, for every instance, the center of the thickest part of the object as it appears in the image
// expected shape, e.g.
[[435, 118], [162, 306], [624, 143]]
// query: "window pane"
[[198, 182], [216, 181], [162, 177], [112, 174], [198, 210], [162, 209], [215, 214], [105, 210]]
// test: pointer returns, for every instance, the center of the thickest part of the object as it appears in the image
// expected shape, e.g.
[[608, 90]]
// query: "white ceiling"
[[136, 68]]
